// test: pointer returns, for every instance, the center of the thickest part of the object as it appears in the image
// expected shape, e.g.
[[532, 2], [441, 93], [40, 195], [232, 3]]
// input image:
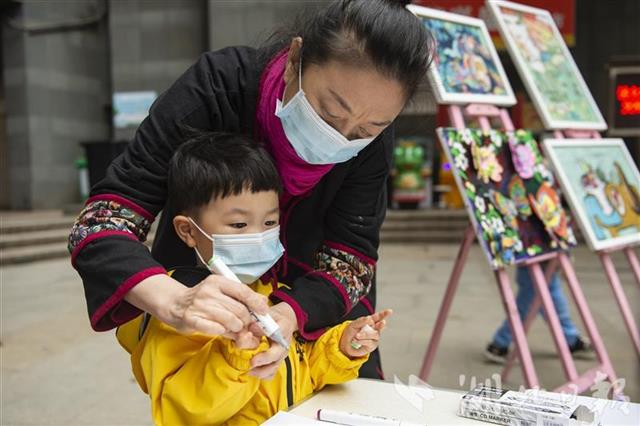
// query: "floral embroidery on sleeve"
[[354, 274], [107, 215]]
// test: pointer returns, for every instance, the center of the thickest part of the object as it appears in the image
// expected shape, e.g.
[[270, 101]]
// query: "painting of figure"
[[546, 66], [602, 184], [509, 192], [466, 68]]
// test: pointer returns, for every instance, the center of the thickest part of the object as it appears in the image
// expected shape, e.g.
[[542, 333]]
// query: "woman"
[[322, 98]]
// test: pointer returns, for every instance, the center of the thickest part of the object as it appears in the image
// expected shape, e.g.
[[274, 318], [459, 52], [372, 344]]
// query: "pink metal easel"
[[605, 258], [618, 292], [580, 383], [612, 275]]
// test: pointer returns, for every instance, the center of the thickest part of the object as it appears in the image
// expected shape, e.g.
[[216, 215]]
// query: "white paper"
[[284, 418]]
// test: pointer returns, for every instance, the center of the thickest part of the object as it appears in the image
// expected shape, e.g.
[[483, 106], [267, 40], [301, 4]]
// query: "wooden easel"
[[575, 382]]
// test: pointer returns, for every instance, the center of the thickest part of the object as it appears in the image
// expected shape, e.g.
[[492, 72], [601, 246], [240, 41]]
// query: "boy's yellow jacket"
[[197, 379]]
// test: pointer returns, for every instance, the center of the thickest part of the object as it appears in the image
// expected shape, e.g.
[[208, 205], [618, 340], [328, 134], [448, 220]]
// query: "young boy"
[[225, 189]]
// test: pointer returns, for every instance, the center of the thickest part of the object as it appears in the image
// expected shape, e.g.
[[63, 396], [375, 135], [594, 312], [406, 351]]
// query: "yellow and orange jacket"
[[197, 379]]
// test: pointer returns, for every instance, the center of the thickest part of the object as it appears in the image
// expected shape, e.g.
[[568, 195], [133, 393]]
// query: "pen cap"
[[219, 267]]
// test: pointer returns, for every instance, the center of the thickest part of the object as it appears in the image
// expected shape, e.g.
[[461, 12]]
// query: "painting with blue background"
[[606, 185], [464, 60]]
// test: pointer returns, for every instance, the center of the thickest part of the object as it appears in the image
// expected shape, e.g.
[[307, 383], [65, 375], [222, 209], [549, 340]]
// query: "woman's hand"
[[265, 364], [215, 306], [362, 335]]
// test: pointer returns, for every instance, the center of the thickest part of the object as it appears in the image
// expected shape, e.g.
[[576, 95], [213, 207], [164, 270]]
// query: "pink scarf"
[[298, 177]]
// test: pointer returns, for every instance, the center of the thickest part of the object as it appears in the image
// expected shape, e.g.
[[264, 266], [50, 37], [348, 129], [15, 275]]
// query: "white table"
[[436, 407]]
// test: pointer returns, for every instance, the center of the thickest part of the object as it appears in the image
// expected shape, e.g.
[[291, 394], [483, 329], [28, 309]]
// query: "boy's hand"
[[362, 335], [265, 364], [244, 339]]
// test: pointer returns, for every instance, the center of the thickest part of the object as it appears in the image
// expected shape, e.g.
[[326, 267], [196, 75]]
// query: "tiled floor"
[[412, 282]]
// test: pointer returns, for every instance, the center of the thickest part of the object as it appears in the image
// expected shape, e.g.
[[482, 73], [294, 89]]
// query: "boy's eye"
[[238, 225], [271, 223]]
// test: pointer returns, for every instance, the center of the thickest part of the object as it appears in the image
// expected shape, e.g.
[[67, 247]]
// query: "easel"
[[607, 263], [612, 275], [618, 292], [575, 382]]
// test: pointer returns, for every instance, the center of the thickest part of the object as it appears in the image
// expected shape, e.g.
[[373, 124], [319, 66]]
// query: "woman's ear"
[[185, 230], [293, 60]]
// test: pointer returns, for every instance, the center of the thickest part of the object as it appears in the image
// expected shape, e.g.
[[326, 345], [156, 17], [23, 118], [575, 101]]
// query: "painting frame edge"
[[550, 145], [506, 100], [549, 123], [467, 204]]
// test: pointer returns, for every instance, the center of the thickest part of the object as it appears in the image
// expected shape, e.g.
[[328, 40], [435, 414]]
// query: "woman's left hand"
[[265, 364]]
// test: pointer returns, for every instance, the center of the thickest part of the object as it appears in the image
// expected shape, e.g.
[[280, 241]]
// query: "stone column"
[[56, 78]]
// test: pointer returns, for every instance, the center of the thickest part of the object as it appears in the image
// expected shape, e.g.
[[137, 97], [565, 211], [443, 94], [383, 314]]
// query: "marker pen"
[[268, 324], [355, 419]]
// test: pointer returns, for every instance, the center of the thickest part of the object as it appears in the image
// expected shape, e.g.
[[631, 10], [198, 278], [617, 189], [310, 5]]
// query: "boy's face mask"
[[249, 256], [314, 140]]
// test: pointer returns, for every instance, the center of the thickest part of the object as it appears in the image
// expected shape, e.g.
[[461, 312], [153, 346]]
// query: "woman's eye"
[[239, 225], [271, 223], [364, 134], [328, 114]]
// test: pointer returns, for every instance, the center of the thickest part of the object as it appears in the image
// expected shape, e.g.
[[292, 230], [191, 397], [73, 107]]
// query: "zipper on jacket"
[[287, 362]]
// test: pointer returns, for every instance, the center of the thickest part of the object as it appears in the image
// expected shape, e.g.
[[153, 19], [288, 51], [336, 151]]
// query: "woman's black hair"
[[212, 165], [378, 33]]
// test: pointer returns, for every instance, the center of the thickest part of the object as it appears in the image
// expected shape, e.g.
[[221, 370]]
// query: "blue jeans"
[[524, 299]]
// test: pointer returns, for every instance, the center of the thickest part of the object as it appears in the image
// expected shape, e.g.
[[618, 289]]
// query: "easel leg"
[[531, 316], [562, 346], [519, 338], [452, 286], [633, 261], [621, 299], [587, 318]]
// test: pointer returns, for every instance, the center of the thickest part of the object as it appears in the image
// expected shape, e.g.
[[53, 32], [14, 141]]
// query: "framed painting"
[[466, 67], [509, 193], [602, 184], [546, 67]]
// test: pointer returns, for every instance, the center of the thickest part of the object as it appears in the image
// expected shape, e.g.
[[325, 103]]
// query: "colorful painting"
[[509, 192], [466, 67], [602, 184], [546, 66]]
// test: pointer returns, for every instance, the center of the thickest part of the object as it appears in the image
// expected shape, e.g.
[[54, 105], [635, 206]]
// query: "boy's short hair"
[[212, 165]]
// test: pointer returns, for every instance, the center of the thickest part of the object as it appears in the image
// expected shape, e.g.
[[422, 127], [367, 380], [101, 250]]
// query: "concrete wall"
[[153, 42], [56, 88], [58, 79], [606, 30], [249, 22]]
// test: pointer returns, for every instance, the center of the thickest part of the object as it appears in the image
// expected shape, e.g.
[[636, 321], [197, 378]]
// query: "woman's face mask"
[[314, 140], [249, 256], [341, 109]]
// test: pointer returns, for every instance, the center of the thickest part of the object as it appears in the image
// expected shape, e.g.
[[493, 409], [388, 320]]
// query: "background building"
[[62, 61]]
